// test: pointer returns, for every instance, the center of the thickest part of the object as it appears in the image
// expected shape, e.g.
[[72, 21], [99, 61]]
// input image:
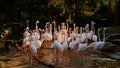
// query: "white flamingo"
[[47, 36], [34, 45], [74, 27], [33, 48], [73, 43], [61, 42], [65, 44], [37, 35], [55, 29], [58, 43], [28, 23], [83, 36], [94, 37], [94, 43], [67, 24], [26, 40], [82, 46], [37, 25], [65, 36], [88, 33], [99, 44]]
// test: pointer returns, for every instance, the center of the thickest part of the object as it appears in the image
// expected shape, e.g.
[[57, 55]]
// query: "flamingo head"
[[37, 22], [39, 29], [92, 22], [53, 22], [27, 28], [74, 24], [28, 21], [105, 28]]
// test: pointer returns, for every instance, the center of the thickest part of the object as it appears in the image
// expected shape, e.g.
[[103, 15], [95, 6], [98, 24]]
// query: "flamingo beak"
[[105, 28]]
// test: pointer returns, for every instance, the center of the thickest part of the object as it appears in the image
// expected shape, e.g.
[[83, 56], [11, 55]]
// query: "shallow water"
[[73, 59]]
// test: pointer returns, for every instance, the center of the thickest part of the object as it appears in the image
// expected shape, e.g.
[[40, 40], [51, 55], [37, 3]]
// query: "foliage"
[[47, 10], [90, 7]]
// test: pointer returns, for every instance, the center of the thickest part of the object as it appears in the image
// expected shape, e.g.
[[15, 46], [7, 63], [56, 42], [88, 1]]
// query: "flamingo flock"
[[63, 37]]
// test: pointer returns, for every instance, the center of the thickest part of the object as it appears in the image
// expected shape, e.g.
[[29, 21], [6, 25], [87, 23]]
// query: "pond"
[[73, 59]]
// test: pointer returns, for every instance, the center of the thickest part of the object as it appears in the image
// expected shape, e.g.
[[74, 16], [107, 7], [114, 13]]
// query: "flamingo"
[[82, 45], [42, 33], [50, 33], [67, 23], [34, 45], [99, 44], [27, 29], [65, 36], [92, 28], [60, 43], [47, 36], [37, 35], [65, 44], [57, 43], [26, 40], [94, 37], [83, 35], [94, 43], [77, 36], [28, 23], [89, 34], [74, 27], [73, 43], [37, 25], [55, 29]]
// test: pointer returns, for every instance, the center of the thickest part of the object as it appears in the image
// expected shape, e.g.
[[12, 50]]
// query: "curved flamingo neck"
[[98, 35], [91, 26], [37, 25], [80, 30], [27, 23], [93, 29], [67, 25], [104, 35]]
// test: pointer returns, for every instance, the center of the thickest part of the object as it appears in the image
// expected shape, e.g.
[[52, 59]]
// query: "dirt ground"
[[19, 61]]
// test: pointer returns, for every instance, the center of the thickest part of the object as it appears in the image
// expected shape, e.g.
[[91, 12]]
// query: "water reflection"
[[72, 59]]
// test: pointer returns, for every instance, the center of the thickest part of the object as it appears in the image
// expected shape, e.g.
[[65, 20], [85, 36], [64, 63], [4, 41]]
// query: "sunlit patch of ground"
[[19, 61]]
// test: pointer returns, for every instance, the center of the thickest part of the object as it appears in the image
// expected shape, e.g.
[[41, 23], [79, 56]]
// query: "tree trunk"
[[115, 13]]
